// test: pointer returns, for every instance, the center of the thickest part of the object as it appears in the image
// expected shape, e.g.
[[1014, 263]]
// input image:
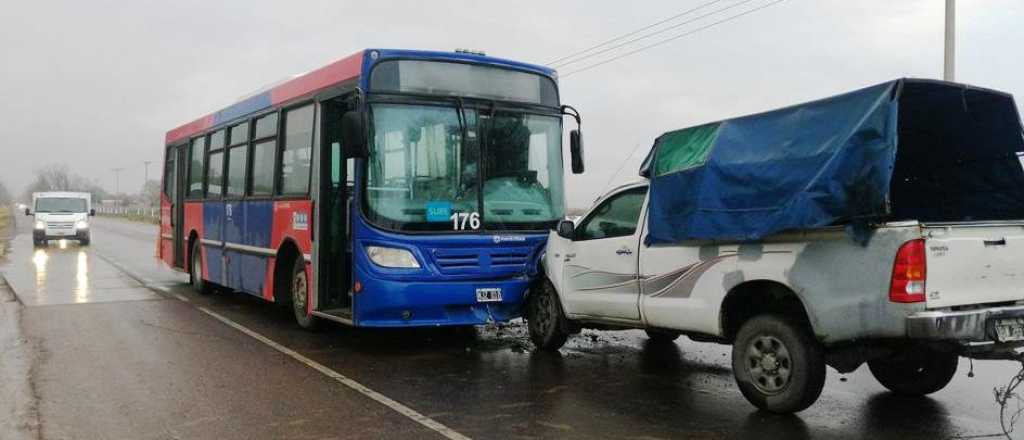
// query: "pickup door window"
[[601, 264]]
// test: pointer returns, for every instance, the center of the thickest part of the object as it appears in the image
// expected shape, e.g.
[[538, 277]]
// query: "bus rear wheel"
[[195, 273], [299, 286]]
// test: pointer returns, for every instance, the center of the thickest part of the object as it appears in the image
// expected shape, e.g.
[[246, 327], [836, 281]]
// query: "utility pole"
[[117, 180], [949, 59], [145, 183], [146, 163]]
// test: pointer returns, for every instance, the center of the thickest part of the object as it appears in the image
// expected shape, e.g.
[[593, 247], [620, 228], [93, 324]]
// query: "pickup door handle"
[[624, 251], [999, 242]]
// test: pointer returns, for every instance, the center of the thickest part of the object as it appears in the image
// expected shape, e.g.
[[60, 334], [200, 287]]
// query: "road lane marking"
[[344, 380], [394, 405]]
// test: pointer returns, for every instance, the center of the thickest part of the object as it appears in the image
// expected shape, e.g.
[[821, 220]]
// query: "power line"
[[658, 32], [676, 37], [633, 32], [624, 163]]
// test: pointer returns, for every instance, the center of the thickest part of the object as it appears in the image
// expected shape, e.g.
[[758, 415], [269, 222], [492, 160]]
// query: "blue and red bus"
[[390, 188]]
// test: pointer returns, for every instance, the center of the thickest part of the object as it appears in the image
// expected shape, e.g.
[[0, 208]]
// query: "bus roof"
[[338, 72]]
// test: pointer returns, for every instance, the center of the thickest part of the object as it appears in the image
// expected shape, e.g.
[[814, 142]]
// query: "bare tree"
[[57, 177]]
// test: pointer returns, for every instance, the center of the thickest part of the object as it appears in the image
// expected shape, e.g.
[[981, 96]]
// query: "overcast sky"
[[96, 84]]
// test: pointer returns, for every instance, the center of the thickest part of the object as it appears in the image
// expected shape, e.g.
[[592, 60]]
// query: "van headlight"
[[81, 224], [392, 257], [40, 224]]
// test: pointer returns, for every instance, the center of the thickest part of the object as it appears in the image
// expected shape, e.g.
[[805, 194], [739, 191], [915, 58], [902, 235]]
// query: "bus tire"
[[298, 286], [548, 326], [778, 365], [195, 273], [915, 371]]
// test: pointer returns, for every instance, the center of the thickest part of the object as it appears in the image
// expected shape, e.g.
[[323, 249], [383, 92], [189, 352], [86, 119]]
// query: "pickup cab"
[[908, 296]]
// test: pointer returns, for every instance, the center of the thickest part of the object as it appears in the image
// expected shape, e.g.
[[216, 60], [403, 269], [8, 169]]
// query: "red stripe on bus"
[[319, 79], [189, 129]]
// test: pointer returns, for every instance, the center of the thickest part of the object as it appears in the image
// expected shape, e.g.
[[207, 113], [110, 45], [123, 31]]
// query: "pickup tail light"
[[908, 273]]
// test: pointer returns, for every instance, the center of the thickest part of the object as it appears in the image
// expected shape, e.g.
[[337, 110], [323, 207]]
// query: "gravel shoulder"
[[19, 417]]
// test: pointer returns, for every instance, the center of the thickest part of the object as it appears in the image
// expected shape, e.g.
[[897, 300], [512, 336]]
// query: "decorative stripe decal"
[[167, 236], [683, 284], [586, 279]]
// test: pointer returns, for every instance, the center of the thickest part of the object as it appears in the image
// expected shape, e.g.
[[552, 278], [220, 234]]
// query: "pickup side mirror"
[[353, 135], [566, 229], [92, 212], [28, 211], [576, 150]]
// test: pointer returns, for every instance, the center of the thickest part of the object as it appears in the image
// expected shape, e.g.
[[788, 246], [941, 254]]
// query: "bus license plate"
[[491, 294], [1011, 329]]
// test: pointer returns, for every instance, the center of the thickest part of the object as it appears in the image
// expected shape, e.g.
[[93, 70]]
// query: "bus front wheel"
[[300, 296]]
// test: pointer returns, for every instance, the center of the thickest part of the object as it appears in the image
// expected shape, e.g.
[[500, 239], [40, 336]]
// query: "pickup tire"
[[662, 336], [916, 371], [548, 326], [778, 365]]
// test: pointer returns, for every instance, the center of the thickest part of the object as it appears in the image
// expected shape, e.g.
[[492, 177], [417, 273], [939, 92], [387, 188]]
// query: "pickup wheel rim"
[[769, 364]]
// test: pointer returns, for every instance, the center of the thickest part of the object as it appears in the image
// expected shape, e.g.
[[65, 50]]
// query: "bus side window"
[[296, 152], [196, 167]]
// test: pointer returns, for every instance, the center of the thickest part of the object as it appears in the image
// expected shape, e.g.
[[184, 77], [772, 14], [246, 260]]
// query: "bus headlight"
[[81, 224], [392, 257], [40, 224]]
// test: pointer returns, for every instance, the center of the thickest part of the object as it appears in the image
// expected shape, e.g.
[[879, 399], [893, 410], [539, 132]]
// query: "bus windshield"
[[423, 176], [60, 204]]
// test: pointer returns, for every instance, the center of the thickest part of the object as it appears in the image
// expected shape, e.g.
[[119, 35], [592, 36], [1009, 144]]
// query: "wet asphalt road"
[[117, 357]]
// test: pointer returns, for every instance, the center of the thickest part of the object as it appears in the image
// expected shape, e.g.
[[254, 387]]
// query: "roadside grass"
[[133, 217], [5, 223]]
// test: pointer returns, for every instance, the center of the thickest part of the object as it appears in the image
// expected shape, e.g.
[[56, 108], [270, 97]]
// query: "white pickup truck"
[[908, 300]]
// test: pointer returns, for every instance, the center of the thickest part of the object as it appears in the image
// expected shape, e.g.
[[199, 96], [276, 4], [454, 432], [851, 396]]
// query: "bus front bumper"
[[388, 303]]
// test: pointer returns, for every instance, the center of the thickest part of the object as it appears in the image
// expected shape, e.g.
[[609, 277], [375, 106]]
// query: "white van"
[[61, 215]]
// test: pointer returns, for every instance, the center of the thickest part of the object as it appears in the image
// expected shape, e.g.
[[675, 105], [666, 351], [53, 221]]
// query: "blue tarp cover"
[[831, 162]]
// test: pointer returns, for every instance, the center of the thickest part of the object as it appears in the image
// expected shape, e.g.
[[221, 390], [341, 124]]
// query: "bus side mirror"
[[566, 229], [576, 150], [353, 135], [92, 212], [28, 211]]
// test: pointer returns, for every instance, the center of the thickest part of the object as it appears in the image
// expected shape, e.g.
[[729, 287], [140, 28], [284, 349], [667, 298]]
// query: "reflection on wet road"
[[168, 359], [66, 273]]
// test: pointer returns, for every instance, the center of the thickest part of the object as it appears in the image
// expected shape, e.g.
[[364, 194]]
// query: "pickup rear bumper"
[[965, 326]]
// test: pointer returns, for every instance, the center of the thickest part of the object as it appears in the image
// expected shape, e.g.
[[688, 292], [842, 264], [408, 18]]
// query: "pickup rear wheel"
[[916, 371], [662, 335], [778, 365], [549, 328]]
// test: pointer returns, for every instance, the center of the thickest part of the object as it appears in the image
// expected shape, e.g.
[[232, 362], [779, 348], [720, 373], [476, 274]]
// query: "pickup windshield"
[[423, 176], [60, 204]]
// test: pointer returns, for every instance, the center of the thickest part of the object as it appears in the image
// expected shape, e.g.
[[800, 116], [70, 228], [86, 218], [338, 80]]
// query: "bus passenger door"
[[334, 264], [180, 174]]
